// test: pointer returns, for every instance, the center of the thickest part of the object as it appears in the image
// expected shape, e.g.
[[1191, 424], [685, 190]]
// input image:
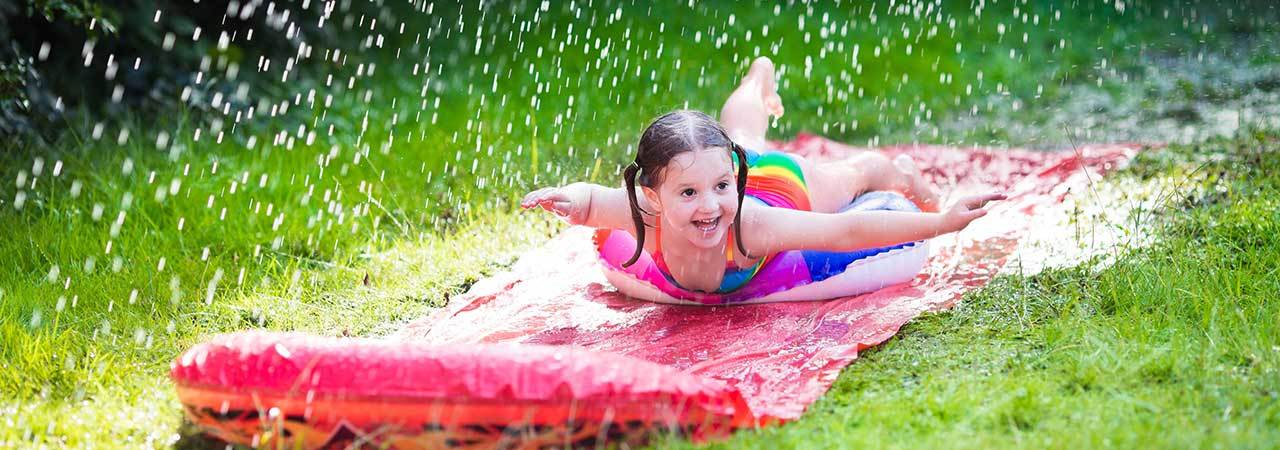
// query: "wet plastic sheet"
[[780, 356]]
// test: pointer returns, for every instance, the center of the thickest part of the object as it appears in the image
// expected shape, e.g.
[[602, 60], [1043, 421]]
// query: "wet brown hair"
[[669, 135]]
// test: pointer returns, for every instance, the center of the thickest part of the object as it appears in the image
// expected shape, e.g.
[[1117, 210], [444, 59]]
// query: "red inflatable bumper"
[[255, 387]]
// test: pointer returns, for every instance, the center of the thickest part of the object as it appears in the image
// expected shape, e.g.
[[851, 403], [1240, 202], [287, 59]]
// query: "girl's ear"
[[652, 196]]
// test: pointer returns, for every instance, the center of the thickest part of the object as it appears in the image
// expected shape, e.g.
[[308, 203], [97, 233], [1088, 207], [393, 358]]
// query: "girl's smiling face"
[[698, 196]]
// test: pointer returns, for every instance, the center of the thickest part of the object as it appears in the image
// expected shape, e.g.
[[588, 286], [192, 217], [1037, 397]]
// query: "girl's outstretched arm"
[[586, 204], [856, 230]]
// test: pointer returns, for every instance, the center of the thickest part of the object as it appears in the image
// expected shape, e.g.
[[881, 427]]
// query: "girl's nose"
[[709, 203]]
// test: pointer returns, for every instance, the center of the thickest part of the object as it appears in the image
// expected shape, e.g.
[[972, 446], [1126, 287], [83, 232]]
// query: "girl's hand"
[[566, 202], [968, 209]]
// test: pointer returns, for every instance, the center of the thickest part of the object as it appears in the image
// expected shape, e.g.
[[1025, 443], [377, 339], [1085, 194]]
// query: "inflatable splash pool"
[[302, 391]]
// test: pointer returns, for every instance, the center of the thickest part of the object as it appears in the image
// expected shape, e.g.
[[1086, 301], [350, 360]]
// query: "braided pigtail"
[[742, 192], [630, 175]]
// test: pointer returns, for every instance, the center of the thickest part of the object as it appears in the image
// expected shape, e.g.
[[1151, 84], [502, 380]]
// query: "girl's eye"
[[723, 185], [686, 192]]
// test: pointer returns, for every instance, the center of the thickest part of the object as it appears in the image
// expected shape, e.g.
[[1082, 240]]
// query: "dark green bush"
[[104, 57]]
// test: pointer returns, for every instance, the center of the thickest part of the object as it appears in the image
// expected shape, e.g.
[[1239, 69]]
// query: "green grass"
[[374, 224]]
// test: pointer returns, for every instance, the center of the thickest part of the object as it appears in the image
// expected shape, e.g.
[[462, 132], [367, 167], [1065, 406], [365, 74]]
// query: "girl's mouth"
[[708, 225]]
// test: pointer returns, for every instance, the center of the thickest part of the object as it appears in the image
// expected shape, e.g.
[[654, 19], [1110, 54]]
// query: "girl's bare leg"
[[915, 186], [833, 185], [745, 115]]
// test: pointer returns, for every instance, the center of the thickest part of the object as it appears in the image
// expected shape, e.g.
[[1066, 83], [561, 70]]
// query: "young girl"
[[692, 172]]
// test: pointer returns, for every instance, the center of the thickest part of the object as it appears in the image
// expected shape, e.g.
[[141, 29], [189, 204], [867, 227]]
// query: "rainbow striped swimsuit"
[[773, 178]]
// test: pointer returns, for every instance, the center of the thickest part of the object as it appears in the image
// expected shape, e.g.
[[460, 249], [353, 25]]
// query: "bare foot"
[[919, 190], [762, 69]]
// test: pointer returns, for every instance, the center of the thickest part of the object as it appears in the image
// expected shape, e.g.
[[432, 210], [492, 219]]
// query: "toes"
[[774, 106]]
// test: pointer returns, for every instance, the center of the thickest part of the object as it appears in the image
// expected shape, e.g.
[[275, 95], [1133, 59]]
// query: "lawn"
[[132, 238]]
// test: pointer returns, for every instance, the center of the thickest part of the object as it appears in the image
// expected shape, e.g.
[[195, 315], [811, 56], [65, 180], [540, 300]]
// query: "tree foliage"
[[105, 57]]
